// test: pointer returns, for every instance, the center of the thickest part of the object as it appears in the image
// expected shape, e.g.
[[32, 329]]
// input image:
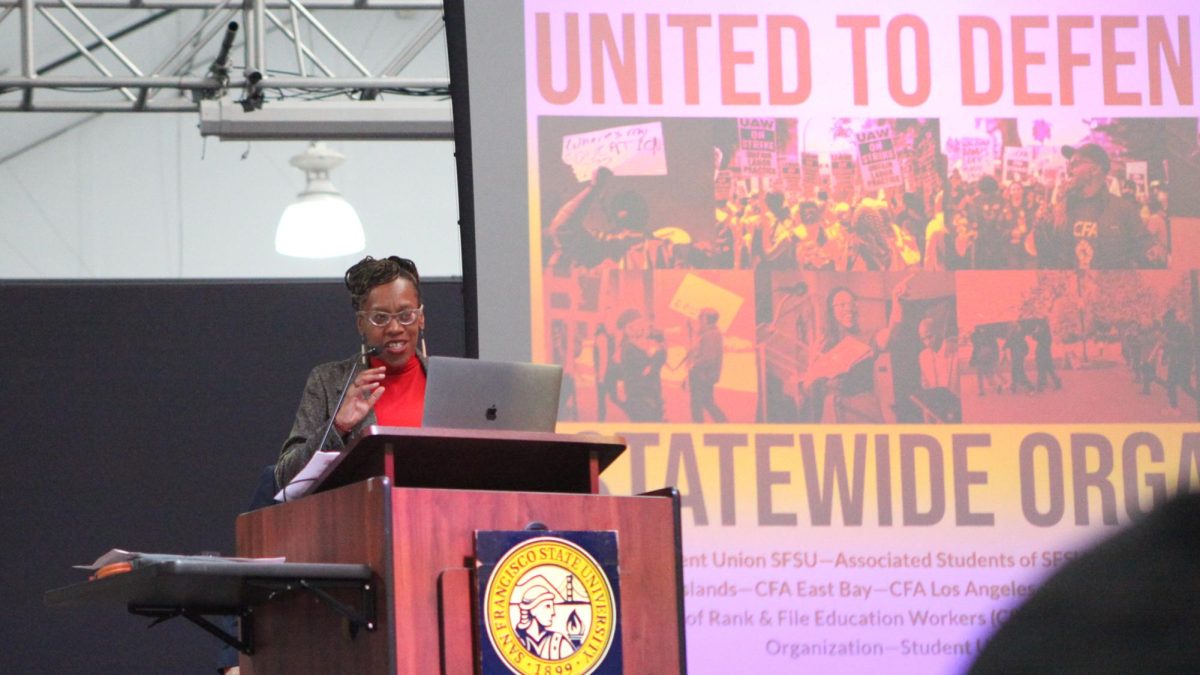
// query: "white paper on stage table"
[[117, 555], [309, 477]]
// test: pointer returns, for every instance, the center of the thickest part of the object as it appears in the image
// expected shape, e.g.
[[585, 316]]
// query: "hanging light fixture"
[[321, 223]]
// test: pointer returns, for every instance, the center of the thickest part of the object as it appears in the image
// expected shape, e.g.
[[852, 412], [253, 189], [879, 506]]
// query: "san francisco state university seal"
[[550, 609]]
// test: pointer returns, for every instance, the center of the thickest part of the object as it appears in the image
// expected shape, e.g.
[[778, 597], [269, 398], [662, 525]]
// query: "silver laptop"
[[501, 395]]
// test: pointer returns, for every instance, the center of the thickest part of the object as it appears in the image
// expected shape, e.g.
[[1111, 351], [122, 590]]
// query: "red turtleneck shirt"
[[403, 400]]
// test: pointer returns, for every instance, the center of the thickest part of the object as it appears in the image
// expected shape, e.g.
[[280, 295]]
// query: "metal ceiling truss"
[[223, 22]]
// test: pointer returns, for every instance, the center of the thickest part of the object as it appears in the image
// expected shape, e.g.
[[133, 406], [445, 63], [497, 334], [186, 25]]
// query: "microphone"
[[361, 362], [364, 357]]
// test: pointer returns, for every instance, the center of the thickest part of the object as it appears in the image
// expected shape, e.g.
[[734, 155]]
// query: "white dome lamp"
[[321, 223]]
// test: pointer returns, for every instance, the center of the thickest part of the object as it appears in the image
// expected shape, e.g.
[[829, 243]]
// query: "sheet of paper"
[[309, 477], [117, 555], [840, 359]]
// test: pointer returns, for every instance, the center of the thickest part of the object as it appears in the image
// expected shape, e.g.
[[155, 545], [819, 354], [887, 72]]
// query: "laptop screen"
[[500, 395]]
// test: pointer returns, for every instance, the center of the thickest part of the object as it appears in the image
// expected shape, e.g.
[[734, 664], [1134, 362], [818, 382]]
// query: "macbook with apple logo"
[[500, 395]]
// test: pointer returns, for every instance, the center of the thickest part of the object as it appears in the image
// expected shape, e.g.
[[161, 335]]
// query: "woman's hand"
[[362, 395]]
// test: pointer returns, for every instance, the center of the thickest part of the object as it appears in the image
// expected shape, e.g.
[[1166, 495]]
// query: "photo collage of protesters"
[[859, 271]]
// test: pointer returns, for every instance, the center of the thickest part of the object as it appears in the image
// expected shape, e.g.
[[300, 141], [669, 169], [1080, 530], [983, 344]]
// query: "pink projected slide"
[[901, 297]]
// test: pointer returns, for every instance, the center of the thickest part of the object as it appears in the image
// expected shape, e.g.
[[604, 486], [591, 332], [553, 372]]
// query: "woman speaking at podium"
[[388, 385]]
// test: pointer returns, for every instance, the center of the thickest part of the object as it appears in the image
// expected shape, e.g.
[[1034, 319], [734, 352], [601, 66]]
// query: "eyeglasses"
[[405, 317]]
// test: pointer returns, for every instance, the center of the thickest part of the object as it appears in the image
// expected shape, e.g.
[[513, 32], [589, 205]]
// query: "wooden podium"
[[407, 503]]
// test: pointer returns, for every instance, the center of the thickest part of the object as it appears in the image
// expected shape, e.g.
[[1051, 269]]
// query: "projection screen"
[[902, 298]]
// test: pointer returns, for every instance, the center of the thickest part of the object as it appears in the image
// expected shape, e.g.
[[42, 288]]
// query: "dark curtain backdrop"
[[138, 416]]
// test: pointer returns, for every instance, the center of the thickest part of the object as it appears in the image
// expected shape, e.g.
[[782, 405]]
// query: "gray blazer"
[[321, 393]]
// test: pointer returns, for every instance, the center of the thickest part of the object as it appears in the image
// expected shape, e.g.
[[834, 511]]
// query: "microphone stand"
[[370, 351]]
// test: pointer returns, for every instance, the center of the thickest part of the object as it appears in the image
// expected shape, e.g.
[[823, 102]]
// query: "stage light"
[[321, 223], [400, 120]]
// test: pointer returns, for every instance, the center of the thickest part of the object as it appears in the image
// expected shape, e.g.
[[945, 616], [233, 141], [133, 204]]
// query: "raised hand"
[[362, 396]]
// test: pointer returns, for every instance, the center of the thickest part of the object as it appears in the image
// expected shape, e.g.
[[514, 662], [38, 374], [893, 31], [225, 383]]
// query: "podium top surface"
[[476, 459], [214, 587]]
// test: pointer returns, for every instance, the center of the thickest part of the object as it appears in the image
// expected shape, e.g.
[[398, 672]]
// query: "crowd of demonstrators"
[[984, 224], [992, 226], [1163, 353], [1080, 224], [757, 230], [773, 231]]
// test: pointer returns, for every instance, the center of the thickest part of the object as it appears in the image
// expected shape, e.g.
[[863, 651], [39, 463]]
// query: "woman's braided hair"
[[369, 273]]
